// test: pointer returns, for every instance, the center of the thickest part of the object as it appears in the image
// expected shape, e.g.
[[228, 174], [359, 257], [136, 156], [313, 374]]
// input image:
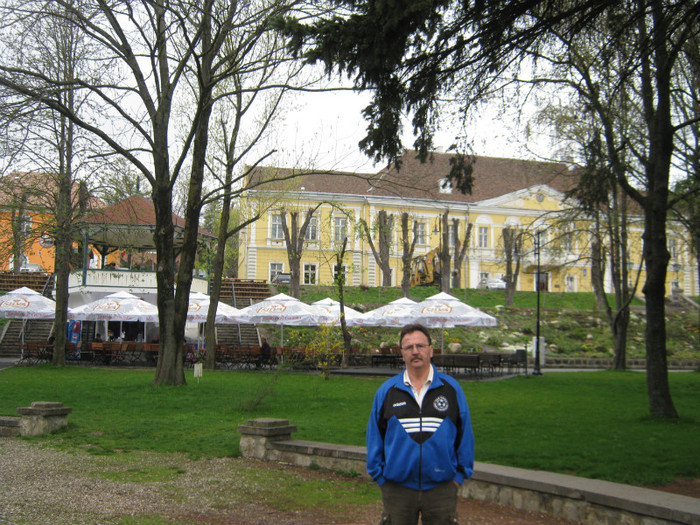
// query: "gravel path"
[[42, 484]]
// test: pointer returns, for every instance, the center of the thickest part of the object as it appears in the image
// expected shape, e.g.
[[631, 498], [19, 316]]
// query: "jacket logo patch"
[[441, 404], [400, 404]]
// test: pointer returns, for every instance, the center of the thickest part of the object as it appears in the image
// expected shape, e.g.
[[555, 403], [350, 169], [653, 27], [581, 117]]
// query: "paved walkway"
[[6, 362]]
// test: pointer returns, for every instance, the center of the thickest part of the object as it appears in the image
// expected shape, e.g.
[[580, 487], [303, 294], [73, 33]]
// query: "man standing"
[[420, 444]]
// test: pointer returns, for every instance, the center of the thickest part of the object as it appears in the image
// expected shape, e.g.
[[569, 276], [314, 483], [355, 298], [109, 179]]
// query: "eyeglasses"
[[419, 347]]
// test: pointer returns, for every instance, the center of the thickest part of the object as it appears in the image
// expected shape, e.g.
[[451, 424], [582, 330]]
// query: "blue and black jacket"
[[420, 447]]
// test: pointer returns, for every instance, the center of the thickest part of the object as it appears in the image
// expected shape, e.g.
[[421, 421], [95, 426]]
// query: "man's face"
[[416, 351]]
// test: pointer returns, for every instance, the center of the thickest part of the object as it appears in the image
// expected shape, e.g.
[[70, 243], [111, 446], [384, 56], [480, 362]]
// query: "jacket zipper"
[[420, 455]]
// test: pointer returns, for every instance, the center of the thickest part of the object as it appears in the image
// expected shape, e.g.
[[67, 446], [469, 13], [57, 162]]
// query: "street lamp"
[[536, 370], [437, 230]]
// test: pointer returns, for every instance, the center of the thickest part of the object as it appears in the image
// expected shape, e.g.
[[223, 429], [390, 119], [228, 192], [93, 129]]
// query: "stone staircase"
[[40, 282], [36, 330], [11, 335], [240, 293]]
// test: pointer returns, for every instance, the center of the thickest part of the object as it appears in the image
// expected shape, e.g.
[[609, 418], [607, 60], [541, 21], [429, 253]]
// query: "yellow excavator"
[[425, 269]]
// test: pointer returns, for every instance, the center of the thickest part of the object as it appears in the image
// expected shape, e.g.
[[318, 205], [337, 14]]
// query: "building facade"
[[527, 198]]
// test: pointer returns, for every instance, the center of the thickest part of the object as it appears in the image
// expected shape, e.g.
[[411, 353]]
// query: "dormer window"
[[445, 185]]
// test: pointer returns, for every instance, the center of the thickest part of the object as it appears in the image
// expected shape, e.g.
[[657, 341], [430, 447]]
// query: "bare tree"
[[384, 227], [295, 237], [159, 53], [259, 67], [598, 264], [512, 250], [340, 283], [409, 246], [59, 53]]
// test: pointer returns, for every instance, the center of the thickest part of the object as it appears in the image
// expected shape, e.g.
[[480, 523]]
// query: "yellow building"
[[526, 197]]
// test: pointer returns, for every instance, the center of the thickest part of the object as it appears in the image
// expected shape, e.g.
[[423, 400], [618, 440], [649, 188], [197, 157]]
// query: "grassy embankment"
[[591, 424], [569, 322]]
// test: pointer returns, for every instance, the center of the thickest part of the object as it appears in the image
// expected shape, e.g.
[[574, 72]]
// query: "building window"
[[568, 241], [340, 270], [26, 224], [276, 268], [539, 240], [310, 273], [451, 236], [445, 185], [276, 231], [570, 283], [673, 248], [340, 229], [483, 236], [312, 230], [419, 229]]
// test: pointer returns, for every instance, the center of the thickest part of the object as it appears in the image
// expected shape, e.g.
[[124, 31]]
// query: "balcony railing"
[[133, 281]]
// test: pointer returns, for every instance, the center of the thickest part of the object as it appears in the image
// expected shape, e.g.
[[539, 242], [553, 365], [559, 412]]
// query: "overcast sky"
[[326, 127]]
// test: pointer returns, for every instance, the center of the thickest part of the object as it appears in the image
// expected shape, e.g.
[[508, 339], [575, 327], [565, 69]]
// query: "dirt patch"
[[44, 485], [682, 486]]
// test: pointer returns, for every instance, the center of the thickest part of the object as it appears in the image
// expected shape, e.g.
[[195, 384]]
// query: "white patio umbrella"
[[198, 307], [446, 311], [282, 310], [25, 303], [331, 307], [120, 306], [392, 314]]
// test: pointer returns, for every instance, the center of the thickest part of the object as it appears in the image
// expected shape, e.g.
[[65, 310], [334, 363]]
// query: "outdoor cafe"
[[123, 332]]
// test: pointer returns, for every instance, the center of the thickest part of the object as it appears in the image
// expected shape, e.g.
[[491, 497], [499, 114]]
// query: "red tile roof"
[[134, 211], [39, 188], [493, 177]]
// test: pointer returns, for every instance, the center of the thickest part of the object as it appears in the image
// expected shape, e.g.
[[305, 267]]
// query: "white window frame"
[[570, 283], [420, 232], [306, 274], [312, 228], [340, 233], [673, 248], [483, 236], [275, 264], [276, 230]]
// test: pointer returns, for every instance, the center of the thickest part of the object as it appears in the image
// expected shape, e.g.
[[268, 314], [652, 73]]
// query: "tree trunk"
[[382, 256], [407, 256], [294, 238], [63, 234], [660, 402], [340, 281], [215, 279], [460, 252], [445, 253], [597, 270], [511, 241], [63, 246], [619, 330], [169, 368]]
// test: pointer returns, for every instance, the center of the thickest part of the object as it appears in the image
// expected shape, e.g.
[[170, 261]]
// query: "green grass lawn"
[[591, 424]]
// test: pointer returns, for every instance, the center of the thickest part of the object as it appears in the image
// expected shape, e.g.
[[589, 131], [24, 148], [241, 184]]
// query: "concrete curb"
[[579, 500]]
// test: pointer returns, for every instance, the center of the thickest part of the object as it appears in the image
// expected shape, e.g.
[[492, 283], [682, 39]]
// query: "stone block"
[[43, 417], [9, 426]]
